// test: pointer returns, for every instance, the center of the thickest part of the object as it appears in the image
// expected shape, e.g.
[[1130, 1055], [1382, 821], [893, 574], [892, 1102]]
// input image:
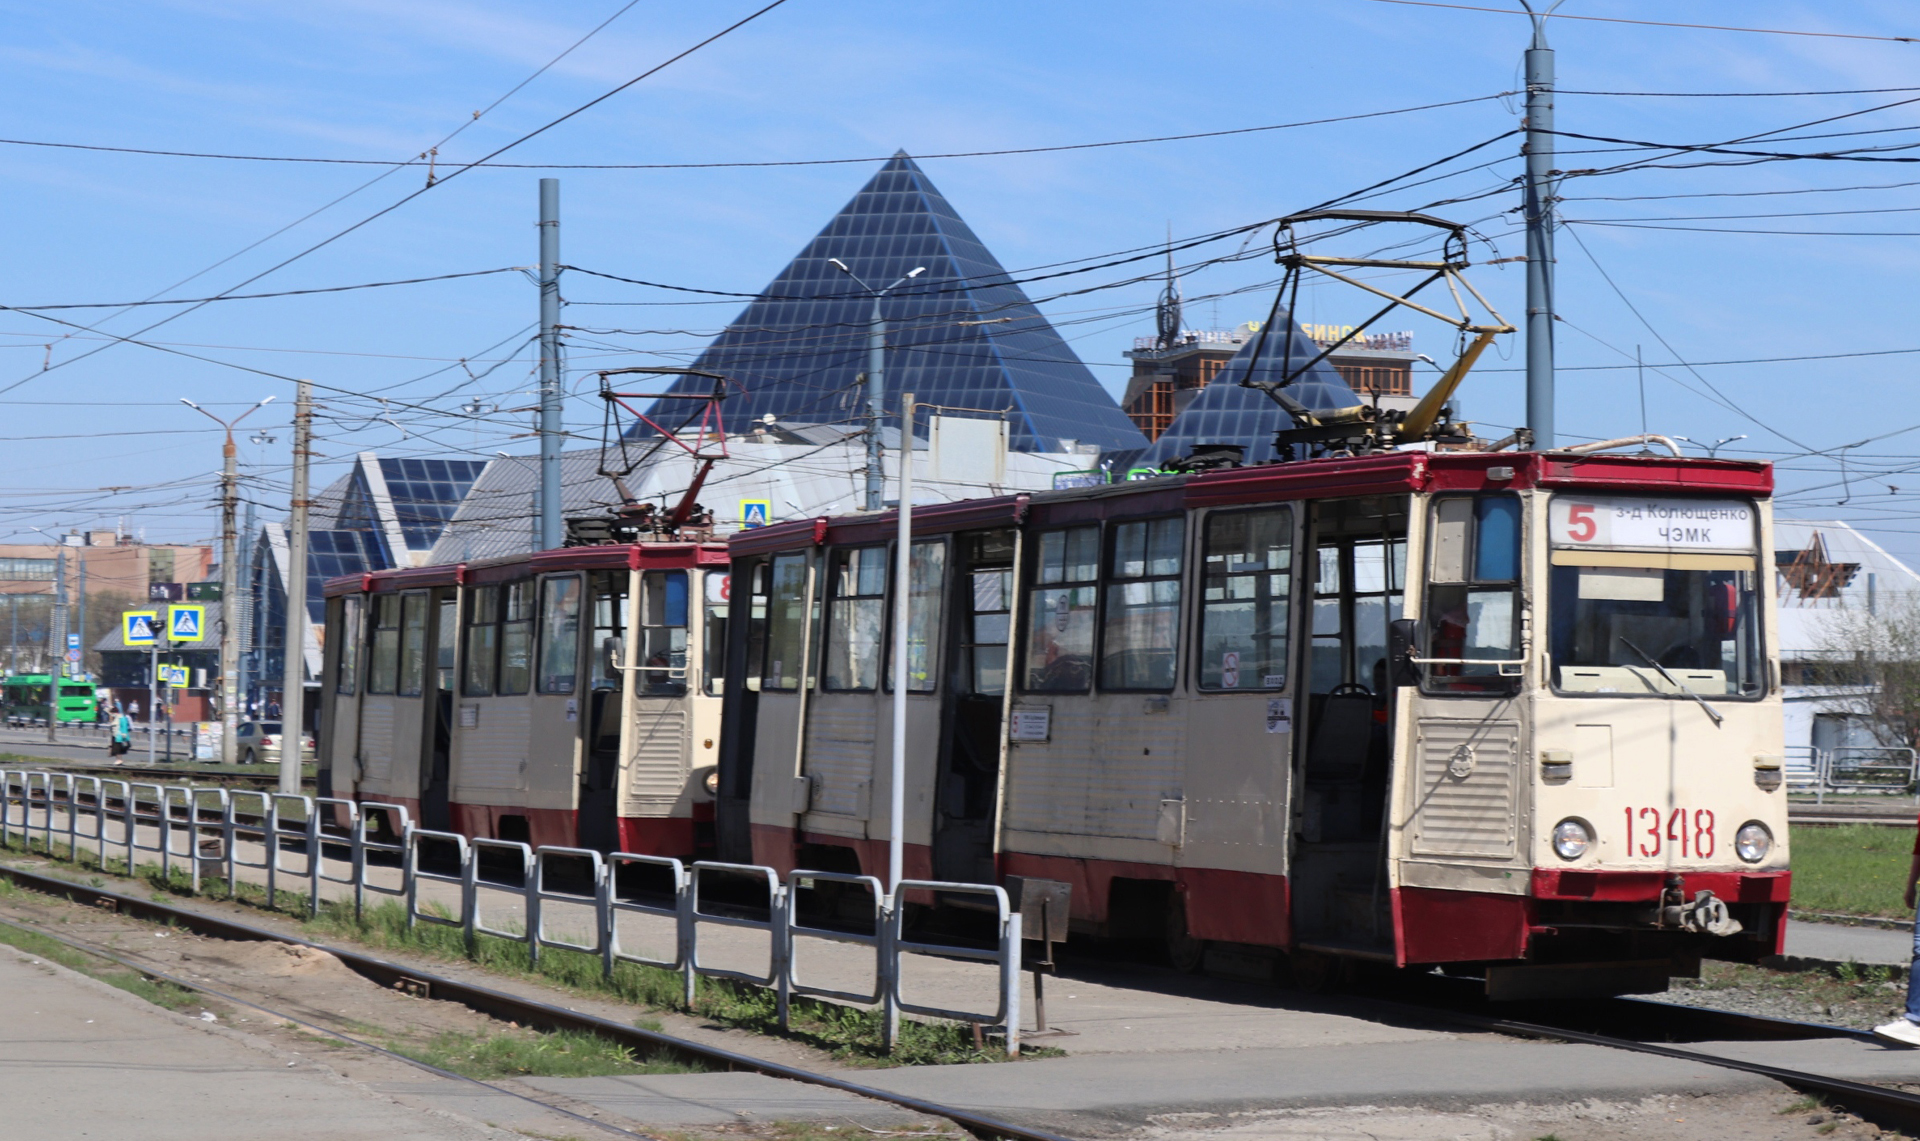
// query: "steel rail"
[[152, 972], [528, 1012]]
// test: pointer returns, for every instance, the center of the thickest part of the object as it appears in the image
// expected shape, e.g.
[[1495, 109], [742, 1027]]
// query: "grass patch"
[[1851, 869], [563, 1054], [1849, 994]]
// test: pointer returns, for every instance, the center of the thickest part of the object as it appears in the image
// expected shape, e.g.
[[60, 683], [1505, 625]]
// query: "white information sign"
[[1031, 723], [1230, 670], [1652, 523], [1279, 715]]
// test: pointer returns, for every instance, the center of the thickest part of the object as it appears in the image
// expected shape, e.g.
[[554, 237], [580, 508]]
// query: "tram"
[[1512, 712], [569, 697]]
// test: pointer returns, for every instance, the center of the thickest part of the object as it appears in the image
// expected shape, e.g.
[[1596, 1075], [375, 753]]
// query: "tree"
[[1876, 654]]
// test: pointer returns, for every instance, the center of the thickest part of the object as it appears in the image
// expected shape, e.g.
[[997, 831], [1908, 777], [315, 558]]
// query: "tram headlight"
[[1753, 842], [1571, 839], [712, 783]]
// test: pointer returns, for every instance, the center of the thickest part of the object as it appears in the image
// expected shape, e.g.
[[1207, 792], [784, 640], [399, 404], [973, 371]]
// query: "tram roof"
[[608, 556], [1379, 474]]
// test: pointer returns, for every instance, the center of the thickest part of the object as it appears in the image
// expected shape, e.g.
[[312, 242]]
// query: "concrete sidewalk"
[[80, 1059]]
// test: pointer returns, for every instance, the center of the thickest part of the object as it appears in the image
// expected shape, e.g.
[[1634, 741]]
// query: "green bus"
[[25, 695]]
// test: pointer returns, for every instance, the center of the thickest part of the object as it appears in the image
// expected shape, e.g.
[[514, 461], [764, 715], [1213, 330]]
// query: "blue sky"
[[812, 80]]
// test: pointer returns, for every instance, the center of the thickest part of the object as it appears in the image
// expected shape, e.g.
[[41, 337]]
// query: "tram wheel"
[[1183, 951], [1314, 971]]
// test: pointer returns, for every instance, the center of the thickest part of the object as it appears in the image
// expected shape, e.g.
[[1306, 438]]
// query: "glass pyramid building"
[[961, 334], [1225, 413]]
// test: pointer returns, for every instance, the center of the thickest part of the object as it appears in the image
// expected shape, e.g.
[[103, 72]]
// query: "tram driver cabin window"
[[1473, 611], [663, 632], [1060, 610], [559, 633], [1140, 640], [1246, 586]]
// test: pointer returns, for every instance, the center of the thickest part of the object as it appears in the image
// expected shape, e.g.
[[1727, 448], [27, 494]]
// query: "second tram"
[[1512, 712]]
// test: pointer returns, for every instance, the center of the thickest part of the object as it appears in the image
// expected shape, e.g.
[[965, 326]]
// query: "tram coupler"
[[1705, 914]]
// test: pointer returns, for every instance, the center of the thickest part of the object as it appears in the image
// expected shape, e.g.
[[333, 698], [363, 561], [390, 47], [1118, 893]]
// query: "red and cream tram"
[[1518, 712], [570, 697]]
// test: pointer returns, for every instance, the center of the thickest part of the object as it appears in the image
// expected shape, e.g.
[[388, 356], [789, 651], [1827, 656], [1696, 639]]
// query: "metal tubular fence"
[[206, 828], [1885, 769]]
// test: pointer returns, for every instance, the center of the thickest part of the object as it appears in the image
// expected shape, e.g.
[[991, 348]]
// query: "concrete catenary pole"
[[1539, 218], [229, 687], [902, 615], [57, 640], [293, 687], [551, 525]]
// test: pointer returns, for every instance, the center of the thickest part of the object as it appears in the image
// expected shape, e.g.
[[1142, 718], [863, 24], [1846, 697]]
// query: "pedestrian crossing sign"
[[755, 513], [140, 627], [176, 676], [187, 623]]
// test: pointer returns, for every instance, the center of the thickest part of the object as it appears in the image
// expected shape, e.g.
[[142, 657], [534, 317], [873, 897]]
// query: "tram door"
[[1357, 567], [970, 756], [607, 649], [437, 756]]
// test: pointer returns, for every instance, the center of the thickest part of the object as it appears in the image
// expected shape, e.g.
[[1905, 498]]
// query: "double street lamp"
[[877, 383], [229, 586]]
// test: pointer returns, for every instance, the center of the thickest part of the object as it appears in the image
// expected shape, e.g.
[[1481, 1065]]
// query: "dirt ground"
[[1780, 1117]]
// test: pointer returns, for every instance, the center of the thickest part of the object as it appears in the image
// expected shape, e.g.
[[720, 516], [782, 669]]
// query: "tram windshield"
[[1654, 597]]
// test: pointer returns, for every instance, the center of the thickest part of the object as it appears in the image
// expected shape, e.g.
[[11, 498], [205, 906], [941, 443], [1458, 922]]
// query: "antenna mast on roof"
[[1167, 316]]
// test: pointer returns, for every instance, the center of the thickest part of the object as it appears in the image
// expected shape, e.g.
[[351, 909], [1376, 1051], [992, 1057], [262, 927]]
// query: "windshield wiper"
[[1674, 681]]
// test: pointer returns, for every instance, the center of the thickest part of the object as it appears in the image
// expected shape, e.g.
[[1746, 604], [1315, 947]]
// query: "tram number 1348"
[[1693, 832]]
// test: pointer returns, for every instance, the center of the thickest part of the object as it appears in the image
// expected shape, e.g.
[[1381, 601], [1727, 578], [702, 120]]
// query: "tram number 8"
[[1648, 827]]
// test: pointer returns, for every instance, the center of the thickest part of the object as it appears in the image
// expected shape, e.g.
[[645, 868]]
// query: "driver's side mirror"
[[613, 652], [1402, 641]]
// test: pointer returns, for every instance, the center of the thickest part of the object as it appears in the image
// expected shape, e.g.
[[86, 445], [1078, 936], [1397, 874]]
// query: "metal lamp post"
[[876, 380], [229, 582]]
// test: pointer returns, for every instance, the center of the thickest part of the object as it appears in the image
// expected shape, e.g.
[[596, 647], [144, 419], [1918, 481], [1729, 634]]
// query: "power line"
[[1657, 23], [258, 296], [452, 174], [770, 162]]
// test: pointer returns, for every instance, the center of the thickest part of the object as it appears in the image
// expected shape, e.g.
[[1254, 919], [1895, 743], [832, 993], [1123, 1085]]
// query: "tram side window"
[[663, 632], [413, 644], [1140, 642], [483, 640], [786, 622], [516, 637], [559, 633], [856, 618], [1473, 610], [926, 586], [1246, 586], [1061, 608], [384, 670], [713, 644], [348, 676]]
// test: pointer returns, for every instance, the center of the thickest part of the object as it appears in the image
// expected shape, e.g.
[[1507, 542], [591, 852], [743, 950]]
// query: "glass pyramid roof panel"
[[962, 334]]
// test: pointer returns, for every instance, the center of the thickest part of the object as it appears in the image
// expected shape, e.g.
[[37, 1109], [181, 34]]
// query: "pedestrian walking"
[[122, 737], [1906, 1029]]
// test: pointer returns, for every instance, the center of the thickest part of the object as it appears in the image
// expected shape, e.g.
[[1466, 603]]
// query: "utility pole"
[[876, 383], [229, 581], [1539, 215], [57, 641], [80, 616], [250, 659], [293, 686], [551, 528]]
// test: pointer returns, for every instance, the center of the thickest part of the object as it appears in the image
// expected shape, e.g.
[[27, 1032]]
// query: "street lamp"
[[877, 383], [56, 634], [230, 584], [1713, 449]]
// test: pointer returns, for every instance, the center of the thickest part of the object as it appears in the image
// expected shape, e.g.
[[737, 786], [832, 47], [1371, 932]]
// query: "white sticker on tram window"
[[1031, 723], [573, 709], [719, 588], [469, 717], [1650, 523], [1230, 670], [1272, 681], [1279, 715]]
